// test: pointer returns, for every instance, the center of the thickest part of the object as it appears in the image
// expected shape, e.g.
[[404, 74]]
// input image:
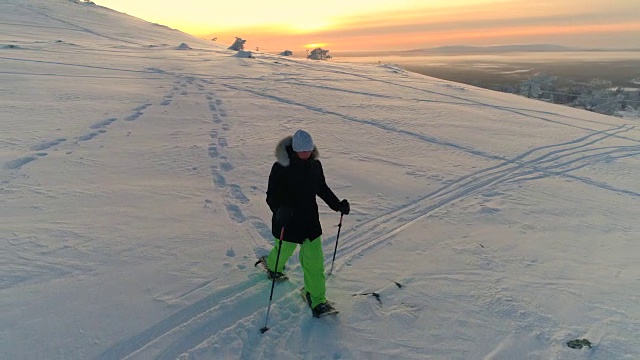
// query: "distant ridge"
[[497, 48], [464, 49]]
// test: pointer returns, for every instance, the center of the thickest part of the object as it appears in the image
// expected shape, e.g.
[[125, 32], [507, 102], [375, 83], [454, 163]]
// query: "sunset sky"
[[339, 25]]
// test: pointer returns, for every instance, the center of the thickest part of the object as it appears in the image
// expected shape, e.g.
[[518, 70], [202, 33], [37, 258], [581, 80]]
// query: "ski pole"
[[273, 283], [336, 248]]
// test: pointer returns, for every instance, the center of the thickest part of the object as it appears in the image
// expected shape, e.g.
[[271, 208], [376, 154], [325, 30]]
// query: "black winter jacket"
[[295, 183]]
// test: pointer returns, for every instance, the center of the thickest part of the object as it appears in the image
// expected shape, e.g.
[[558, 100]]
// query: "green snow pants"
[[312, 261]]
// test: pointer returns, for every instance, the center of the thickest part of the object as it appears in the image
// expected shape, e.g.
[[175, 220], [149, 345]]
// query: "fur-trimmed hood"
[[284, 152]]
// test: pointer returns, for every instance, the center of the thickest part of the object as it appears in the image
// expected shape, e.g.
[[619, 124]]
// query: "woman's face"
[[304, 155]]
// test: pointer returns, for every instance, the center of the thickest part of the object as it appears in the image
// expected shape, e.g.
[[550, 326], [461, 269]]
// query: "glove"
[[344, 207], [284, 215]]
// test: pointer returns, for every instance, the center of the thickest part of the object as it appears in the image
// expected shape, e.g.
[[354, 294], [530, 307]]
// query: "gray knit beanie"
[[302, 141]]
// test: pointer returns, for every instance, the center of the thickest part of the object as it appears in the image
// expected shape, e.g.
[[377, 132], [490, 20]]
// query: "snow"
[[133, 178]]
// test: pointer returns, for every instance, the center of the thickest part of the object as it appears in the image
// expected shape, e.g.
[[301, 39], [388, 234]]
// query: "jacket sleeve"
[[275, 189], [325, 192]]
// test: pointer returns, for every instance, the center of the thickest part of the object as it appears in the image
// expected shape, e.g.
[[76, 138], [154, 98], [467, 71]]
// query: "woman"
[[295, 180]]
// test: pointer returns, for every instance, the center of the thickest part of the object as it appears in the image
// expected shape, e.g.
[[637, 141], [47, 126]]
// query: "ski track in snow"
[[241, 308], [450, 99], [95, 130], [551, 160]]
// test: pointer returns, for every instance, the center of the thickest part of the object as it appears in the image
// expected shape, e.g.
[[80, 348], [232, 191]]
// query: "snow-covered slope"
[[133, 165]]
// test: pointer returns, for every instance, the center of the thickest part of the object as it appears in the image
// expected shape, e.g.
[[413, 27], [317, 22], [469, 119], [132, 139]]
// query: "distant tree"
[[238, 44], [505, 88], [319, 54], [214, 39], [597, 95], [286, 53], [634, 99], [600, 83], [538, 86], [601, 101]]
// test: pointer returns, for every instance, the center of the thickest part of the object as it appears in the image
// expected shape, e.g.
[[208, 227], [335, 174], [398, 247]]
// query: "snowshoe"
[[271, 275], [321, 309]]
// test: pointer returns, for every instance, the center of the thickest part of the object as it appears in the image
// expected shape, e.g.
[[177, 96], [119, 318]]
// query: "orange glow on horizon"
[[500, 36], [378, 25], [534, 30], [315, 45], [337, 41]]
